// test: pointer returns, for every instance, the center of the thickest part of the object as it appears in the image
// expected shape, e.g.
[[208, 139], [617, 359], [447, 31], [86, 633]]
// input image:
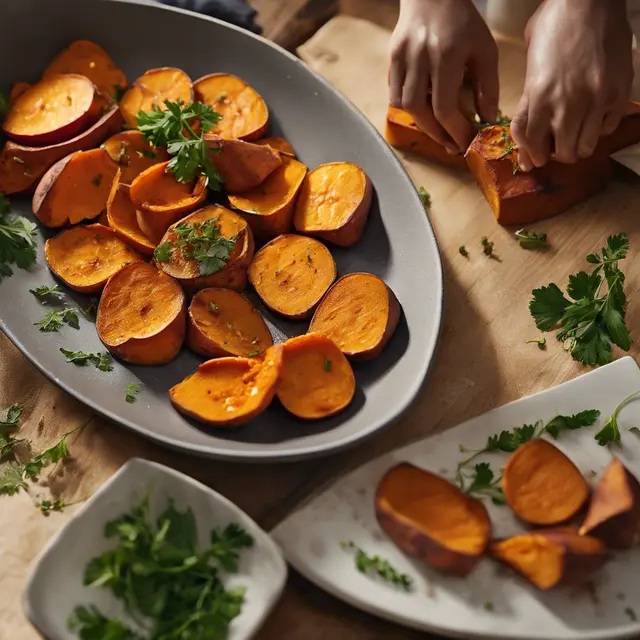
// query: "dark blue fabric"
[[236, 12]]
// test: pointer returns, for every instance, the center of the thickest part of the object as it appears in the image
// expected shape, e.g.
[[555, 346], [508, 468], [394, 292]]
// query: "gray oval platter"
[[323, 126]]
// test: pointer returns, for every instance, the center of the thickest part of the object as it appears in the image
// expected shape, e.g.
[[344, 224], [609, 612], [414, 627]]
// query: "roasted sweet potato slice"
[[614, 512], [21, 167], [189, 272], [334, 203], [92, 61], [291, 274], [317, 380], [133, 154], [52, 111], [242, 165], [85, 257], [627, 133], [268, 208], [228, 392], [279, 144], [244, 113], [428, 517], [359, 313], [17, 89], [542, 486], [142, 315], [222, 322], [121, 217], [74, 189], [550, 557]]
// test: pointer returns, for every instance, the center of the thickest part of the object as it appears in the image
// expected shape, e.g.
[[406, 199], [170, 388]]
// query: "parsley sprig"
[[610, 433], [47, 292], [132, 391], [529, 240], [53, 320], [17, 241], [366, 563], [101, 361]]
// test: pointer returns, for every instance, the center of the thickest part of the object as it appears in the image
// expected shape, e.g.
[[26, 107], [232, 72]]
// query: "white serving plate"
[[54, 587], [455, 607]]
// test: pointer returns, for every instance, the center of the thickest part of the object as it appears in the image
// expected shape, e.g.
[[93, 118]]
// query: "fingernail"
[[585, 152], [451, 150], [525, 165]]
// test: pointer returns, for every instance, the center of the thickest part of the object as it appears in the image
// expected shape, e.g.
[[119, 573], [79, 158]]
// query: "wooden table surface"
[[482, 361]]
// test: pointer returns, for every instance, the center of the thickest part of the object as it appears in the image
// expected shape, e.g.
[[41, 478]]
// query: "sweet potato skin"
[[133, 154], [17, 89]]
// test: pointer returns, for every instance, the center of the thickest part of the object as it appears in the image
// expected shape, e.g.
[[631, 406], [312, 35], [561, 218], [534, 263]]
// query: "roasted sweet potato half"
[[222, 322], [121, 217], [627, 133], [133, 154], [17, 89], [242, 165], [89, 59], [429, 518], [142, 315], [518, 197], [542, 486], [268, 208], [279, 144], [244, 113], [334, 203], [228, 392], [153, 88], [215, 222], [402, 132], [52, 111], [359, 313], [550, 557], [317, 380], [85, 257], [614, 511], [21, 167], [291, 274], [74, 189]]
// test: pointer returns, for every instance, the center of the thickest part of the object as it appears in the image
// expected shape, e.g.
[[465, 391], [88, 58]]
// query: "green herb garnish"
[[487, 246], [462, 250], [484, 483], [366, 563], [53, 320], [17, 241], [530, 240], [252, 354], [43, 291], [541, 342], [425, 196], [610, 433], [327, 365], [48, 506], [214, 308], [101, 361], [132, 391], [90, 624]]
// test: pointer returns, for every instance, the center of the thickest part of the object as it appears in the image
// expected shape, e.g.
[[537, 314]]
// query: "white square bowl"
[[55, 584]]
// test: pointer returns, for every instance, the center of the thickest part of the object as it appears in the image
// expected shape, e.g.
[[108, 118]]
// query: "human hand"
[[579, 75], [435, 44]]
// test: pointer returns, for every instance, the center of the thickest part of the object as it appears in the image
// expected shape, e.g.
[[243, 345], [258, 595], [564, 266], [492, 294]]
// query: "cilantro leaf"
[[43, 291], [610, 433], [132, 391], [366, 563], [101, 361], [483, 482], [90, 624], [548, 306], [583, 285], [17, 241], [425, 197], [530, 240], [53, 320], [579, 420], [163, 252]]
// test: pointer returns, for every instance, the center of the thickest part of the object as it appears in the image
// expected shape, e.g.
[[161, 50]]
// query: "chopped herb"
[[425, 197], [97, 181], [610, 433], [488, 606], [631, 614], [309, 258], [530, 240], [101, 361], [48, 506], [43, 291], [462, 250], [541, 342], [579, 420], [366, 563], [635, 430], [163, 252], [226, 342], [484, 483], [252, 354], [487, 246], [327, 365], [147, 153], [90, 624], [17, 241], [214, 308], [132, 391], [53, 320]]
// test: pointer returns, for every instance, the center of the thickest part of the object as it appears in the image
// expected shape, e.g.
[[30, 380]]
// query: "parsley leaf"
[[90, 624], [43, 291], [530, 240], [484, 483], [610, 433], [579, 420], [17, 241], [48, 506], [487, 246], [462, 250], [163, 252], [101, 361], [366, 563], [132, 391], [53, 320], [548, 306], [425, 196]]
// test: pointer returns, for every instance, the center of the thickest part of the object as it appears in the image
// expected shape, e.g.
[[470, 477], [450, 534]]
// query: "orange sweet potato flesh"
[[133, 154], [542, 486], [121, 217], [153, 88], [234, 274], [317, 380], [551, 557], [268, 208], [291, 274], [222, 322], [228, 392], [244, 113], [359, 313], [429, 518], [17, 89], [334, 203], [142, 315], [52, 111], [614, 512], [89, 59], [74, 189], [279, 144], [85, 257], [21, 167], [242, 165]]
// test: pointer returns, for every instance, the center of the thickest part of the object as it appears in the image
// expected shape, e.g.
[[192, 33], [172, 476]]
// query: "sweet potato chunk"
[[52, 111], [542, 486], [121, 217], [279, 144], [223, 322], [627, 133], [85, 257], [359, 313], [242, 165], [291, 274], [334, 203], [88, 59], [244, 113], [17, 89], [228, 392], [21, 167], [153, 88], [428, 517], [268, 208], [74, 189], [133, 154], [549, 557], [142, 315], [317, 380], [614, 512]]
